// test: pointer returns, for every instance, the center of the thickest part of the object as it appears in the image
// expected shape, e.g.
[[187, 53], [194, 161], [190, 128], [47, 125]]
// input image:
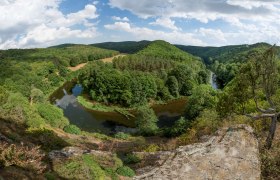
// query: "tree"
[[173, 86], [146, 120], [36, 95], [203, 97], [262, 76], [257, 84]]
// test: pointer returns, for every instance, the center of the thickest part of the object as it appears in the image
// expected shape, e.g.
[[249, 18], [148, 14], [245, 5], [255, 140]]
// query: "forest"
[[151, 73]]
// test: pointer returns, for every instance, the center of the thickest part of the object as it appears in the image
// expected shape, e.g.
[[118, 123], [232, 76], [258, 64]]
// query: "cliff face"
[[231, 154]]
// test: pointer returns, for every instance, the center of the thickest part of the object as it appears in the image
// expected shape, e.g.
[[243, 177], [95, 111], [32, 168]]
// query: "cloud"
[[116, 18], [140, 33], [246, 20], [30, 23], [166, 22]]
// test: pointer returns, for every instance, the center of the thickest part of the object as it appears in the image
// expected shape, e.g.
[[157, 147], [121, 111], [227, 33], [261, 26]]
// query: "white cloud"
[[247, 20], [116, 18], [29, 23], [166, 22], [140, 33]]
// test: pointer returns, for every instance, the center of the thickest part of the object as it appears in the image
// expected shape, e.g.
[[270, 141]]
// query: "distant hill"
[[224, 54], [129, 47], [163, 49]]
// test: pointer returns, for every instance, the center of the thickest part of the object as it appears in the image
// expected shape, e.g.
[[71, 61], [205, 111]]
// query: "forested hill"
[[65, 54], [129, 47], [226, 61], [163, 49], [224, 54]]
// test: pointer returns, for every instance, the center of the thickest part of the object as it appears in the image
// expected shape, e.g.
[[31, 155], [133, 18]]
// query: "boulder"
[[232, 154]]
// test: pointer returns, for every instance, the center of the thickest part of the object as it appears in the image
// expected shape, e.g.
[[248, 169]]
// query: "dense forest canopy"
[[158, 72], [226, 61], [129, 47]]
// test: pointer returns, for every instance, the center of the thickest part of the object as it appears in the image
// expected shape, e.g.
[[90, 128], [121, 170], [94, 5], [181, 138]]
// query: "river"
[[108, 122]]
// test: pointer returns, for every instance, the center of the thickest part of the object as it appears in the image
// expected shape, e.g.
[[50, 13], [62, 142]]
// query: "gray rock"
[[232, 154]]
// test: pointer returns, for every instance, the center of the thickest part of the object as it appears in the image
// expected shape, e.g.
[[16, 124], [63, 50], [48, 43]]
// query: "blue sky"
[[200, 22]]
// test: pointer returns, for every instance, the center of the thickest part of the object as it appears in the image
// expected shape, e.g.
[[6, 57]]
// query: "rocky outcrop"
[[231, 154]]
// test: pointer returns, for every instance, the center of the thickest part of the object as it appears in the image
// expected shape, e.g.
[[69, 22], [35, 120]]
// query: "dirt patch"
[[76, 68], [109, 60], [105, 60]]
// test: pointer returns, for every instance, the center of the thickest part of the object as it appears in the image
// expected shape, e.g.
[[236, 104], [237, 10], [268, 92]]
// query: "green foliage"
[[84, 167], [178, 128], [126, 171], [172, 84], [53, 115], [203, 96], [146, 121], [111, 173], [72, 129], [122, 135], [131, 159], [36, 95], [109, 85], [225, 61], [165, 50], [124, 47], [206, 123], [152, 148]]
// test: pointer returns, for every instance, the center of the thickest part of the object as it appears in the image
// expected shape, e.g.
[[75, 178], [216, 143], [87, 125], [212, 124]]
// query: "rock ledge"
[[232, 154]]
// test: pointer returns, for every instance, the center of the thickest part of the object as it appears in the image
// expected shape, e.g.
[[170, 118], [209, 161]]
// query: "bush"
[[122, 135], [72, 129], [146, 121], [131, 159], [110, 172], [84, 167], [126, 171], [152, 148], [178, 128], [53, 115], [29, 158], [208, 122]]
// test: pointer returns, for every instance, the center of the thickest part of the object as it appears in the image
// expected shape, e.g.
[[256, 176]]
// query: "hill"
[[165, 50], [224, 54], [225, 61], [129, 47]]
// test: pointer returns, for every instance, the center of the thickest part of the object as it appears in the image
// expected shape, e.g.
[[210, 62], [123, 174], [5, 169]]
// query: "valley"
[[96, 101]]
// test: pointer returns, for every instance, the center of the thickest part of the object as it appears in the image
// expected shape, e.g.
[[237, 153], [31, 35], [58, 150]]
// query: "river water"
[[108, 122]]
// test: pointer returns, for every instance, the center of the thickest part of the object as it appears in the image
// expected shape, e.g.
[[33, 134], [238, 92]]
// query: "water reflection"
[[108, 122]]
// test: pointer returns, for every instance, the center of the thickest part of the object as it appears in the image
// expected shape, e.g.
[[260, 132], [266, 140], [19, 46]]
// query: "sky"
[[43, 23]]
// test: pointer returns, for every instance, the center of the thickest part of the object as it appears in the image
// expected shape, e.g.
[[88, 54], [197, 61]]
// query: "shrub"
[[152, 148], [122, 135], [146, 121], [84, 167], [53, 115], [208, 122], [29, 158], [126, 171], [110, 172], [72, 129], [131, 159], [178, 128]]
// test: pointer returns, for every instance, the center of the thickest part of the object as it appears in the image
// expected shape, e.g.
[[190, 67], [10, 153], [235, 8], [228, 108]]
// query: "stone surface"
[[231, 154]]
